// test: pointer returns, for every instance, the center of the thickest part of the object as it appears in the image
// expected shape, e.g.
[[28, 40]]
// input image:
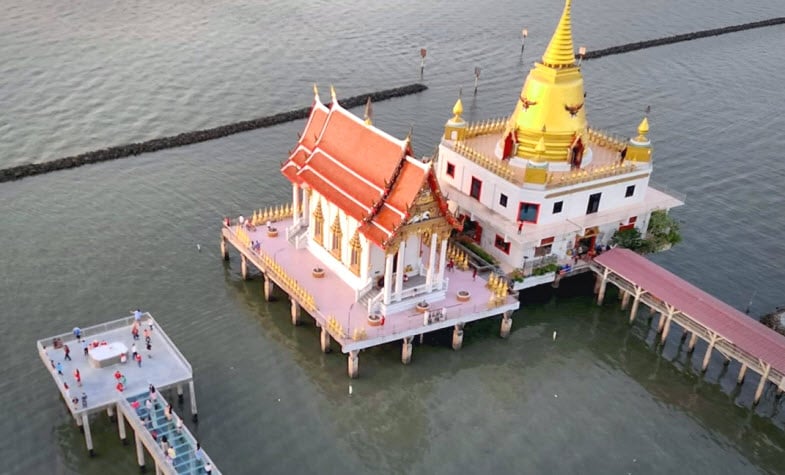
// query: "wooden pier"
[[109, 351], [725, 329], [343, 315]]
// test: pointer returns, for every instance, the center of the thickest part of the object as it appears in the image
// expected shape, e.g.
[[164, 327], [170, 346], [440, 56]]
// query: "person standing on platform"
[[77, 333], [137, 315], [85, 346], [198, 453], [84, 399], [133, 351], [78, 377], [67, 353], [59, 368], [138, 358], [474, 274]]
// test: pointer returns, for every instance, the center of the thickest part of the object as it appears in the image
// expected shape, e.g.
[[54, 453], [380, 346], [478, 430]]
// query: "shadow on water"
[[400, 405]]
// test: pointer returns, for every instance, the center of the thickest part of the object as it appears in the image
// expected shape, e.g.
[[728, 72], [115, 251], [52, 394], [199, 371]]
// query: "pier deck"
[[164, 367], [729, 331], [333, 302]]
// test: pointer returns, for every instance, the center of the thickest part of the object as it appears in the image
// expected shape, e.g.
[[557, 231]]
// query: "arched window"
[[318, 223], [336, 241], [355, 249]]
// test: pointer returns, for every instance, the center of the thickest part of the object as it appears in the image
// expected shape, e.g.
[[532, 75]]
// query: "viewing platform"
[[111, 380], [725, 329], [344, 316]]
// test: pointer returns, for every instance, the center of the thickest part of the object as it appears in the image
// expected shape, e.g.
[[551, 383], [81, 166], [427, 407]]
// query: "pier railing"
[[498, 167], [270, 265], [94, 330]]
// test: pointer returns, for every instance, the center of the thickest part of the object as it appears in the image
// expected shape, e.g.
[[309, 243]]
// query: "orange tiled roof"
[[367, 173]]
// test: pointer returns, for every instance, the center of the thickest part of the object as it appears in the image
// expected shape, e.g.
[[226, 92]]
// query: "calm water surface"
[[83, 246]]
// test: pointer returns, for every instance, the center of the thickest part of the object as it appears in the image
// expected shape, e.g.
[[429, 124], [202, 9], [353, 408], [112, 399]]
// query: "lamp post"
[[524, 34]]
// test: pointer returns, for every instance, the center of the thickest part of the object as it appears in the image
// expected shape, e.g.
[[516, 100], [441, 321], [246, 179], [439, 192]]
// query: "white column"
[[442, 258], [139, 450], [306, 206], [121, 425], [88, 438], [295, 204], [400, 272], [388, 265], [192, 393], [431, 264]]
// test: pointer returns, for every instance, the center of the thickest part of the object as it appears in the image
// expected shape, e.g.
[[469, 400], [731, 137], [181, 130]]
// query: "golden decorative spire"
[[333, 95], [540, 148], [316, 93], [368, 112], [457, 109], [643, 128], [560, 52]]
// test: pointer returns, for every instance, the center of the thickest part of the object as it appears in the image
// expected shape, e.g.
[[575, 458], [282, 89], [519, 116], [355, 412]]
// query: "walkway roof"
[[729, 323]]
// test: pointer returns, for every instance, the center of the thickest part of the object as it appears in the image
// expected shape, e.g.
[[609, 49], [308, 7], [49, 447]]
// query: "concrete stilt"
[[707, 357], [139, 452], [268, 287], [110, 413], [88, 438], [652, 310], [506, 324], [406, 350], [625, 299], [224, 251], [691, 345], [296, 311], [158, 469], [667, 327], [634, 310], [121, 425], [742, 372], [192, 393], [556, 280], [180, 393], [354, 364], [597, 282], [457, 337], [603, 286], [764, 378], [325, 341], [244, 266], [781, 386]]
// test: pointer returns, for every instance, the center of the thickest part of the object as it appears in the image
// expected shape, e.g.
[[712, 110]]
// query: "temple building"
[[368, 210], [540, 182]]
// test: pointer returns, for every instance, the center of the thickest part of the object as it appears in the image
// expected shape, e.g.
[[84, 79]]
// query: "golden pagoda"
[[639, 148], [552, 98], [455, 128]]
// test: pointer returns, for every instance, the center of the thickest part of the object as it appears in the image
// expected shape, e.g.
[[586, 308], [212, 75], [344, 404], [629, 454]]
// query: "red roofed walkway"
[[729, 331]]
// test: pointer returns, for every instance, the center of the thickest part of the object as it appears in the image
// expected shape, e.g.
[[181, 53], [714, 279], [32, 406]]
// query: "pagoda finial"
[[643, 127], [368, 112], [540, 148], [333, 96], [457, 109], [316, 93], [560, 52]]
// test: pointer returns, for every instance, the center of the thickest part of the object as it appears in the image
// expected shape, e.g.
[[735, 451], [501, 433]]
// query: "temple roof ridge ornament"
[[561, 52]]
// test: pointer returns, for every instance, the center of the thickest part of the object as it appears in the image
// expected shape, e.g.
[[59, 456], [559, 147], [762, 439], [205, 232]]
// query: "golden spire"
[[560, 52], [316, 93], [333, 95], [457, 109], [540, 148], [643, 128], [368, 112]]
